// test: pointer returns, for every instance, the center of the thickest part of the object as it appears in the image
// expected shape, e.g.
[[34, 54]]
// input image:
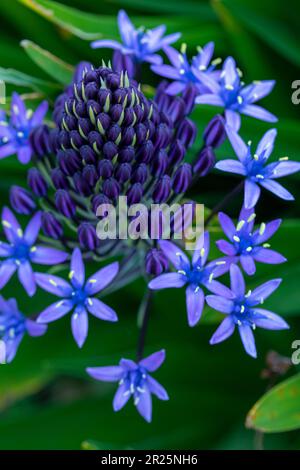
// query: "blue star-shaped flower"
[[78, 295], [230, 93], [193, 274], [134, 381], [14, 134], [142, 45], [13, 326], [255, 168], [243, 312], [21, 251], [247, 245], [185, 73]]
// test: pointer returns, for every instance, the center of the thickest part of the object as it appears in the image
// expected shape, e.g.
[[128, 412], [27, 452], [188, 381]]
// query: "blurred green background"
[[46, 399]]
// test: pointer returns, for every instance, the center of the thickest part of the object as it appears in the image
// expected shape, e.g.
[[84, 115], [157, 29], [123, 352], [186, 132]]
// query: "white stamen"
[[266, 245], [260, 177], [236, 238], [240, 225], [283, 159], [251, 217], [262, 228], [249, 249], [229, 87]]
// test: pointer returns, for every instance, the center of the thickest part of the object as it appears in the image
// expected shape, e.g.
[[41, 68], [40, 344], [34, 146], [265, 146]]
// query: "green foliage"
[[279, 409], [211, 388]]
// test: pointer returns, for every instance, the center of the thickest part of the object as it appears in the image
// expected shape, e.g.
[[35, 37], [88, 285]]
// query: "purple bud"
[[139, 112], [115, 112], [187, 132], [176, 153], [87, 236], [214, 134], [123, 172], [141, 133], [95, 140], [91, 91], [70, 123], [40, 141], [188, 96], [105, 168], [54, 140], [114, 132], [59, 179], [64, 139], [103, 96], [176, 110], [182, 178], [76, 140], [140, 174], [21, 200], [87, 154], [98, 200], [51, 226], [145, 152], [81, 109], [156, 262], [90, 175], [205, 162], [126, 155], [122, 62], [84, 126], [159, 163], [129, 117], [81, 184], [162, 189], [90, 76], [37, 182], [134, 194], [110, 150], [64, 203], [162, 136], [113, 81], [69, 161], [82, 68], [103, 122], [128, 135], [111, 188]]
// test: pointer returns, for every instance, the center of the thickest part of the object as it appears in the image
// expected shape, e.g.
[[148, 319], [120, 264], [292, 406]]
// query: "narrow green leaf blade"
[[279, 409], [52, 65]]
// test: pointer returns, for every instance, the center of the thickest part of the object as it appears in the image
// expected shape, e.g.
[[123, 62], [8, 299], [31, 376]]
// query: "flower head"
[[110, 140], [21, 251], [78, 296], [15, 134], [247, 245], [185, 73], [142, 44], [230, 93], [194, 275], [243, 312], [255, 169], [13, 326], [134, 381]]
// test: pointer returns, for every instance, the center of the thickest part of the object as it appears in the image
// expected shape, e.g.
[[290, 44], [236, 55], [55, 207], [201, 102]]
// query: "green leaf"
[[276, 33], [17, 78], [52, 65], [89, 26], [81, 24], [279, 409]]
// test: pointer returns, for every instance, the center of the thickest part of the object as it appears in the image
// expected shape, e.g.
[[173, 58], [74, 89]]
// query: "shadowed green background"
[[46, 399]]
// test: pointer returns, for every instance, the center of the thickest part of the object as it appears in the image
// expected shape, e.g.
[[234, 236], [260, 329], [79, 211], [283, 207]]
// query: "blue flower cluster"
[[107, 139]]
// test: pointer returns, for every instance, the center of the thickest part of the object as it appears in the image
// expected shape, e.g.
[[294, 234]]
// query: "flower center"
[[79, 297], [21, 251]]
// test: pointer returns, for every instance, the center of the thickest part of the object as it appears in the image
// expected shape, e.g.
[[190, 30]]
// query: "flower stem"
[[224, 202], [145, 314]]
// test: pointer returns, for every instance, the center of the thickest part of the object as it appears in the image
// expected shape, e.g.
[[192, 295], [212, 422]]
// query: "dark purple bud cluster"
[[156, 262], [111, 140]]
